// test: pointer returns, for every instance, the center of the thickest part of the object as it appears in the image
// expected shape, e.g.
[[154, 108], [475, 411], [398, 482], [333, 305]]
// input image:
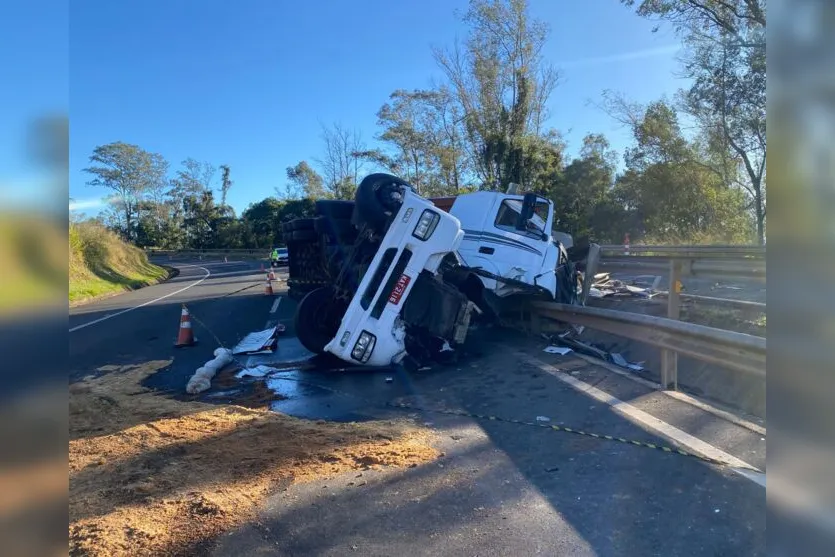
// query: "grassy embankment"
[[100, 263]]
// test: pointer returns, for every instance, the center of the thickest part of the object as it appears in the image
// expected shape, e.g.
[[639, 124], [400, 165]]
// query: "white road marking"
[[275, 305], [639, 416], [111, 315], [741, 422], [243, 272]]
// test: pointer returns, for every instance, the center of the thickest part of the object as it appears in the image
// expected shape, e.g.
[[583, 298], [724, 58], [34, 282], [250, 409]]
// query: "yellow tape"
[[634, 442]]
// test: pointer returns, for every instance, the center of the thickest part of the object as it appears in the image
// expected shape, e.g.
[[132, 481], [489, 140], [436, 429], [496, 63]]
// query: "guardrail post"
[[669, 359], [592, 262], [536, 323]]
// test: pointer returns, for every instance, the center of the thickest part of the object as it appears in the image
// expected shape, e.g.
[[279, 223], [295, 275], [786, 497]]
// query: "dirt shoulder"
[[151, 475]]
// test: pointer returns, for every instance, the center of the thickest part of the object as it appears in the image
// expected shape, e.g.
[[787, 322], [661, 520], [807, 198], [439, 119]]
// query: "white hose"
[[202, 378]]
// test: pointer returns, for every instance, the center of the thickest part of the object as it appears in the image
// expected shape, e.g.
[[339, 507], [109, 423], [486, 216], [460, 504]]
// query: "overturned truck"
[[393, 277]]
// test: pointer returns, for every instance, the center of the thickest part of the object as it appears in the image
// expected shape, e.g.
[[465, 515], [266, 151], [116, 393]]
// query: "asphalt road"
[[143, 325], [501, 488]]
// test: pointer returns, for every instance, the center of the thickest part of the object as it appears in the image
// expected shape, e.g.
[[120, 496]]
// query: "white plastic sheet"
[[257, 342]]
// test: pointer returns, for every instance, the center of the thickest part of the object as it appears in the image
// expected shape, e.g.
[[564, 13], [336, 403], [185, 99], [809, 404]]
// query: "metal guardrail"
[[748, 269], [261, 253], [715, 261], [728, 349], [711, 252], [748, 262]]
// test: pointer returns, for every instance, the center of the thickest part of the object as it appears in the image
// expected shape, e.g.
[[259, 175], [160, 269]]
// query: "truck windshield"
[[509, 213]]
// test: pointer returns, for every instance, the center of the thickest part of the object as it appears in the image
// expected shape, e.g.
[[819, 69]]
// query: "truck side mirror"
[[528, 206]]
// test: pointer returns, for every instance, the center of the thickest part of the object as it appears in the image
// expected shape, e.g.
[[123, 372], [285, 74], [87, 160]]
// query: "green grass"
[[101, 264]]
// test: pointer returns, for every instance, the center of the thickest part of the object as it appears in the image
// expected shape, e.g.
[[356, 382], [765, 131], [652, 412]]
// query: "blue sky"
[[249, 83]]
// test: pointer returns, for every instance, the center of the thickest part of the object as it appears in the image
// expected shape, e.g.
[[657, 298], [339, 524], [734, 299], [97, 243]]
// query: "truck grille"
[[377, 278], [383, 295]]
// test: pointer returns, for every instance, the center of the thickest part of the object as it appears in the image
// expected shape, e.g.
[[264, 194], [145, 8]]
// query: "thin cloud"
[[85, 204], [624, 57]]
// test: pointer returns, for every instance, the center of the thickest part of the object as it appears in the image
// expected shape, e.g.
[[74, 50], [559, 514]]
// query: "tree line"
[[485, 127]]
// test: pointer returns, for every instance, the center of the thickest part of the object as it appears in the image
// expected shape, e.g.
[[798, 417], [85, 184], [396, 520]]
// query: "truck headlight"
[[426, 225], [364, 347]]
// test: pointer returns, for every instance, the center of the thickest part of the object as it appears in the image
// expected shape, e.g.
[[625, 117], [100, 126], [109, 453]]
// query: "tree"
[[261, 221], [308, 181], [725, 58], [586, 183], [203, 219], [189, 188], [342, 161], [193, 179], [401, 122], [424, 129], [225, 183], [670, 191], [727, 99], [129, 172], [544, 161], [501, 84], [706, 18]]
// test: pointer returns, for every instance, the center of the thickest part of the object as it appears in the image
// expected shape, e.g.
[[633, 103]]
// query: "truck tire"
[[298, 236], [297, 224], [336, 231], [376, 200], [318, 317], [335, 208], [339, 229]]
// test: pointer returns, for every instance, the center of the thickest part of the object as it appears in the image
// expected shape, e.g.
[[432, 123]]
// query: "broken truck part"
[[395, 277]]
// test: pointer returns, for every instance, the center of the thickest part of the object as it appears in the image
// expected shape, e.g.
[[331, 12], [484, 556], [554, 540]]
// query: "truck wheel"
[[335, 228], [301, 236], [297, 224], [335, 208], [378, 197], [318, 317]]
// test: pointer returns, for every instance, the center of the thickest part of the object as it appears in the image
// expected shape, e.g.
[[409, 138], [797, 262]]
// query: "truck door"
[[517, 252]]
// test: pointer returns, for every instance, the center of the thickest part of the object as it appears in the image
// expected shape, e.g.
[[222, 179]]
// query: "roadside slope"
[[100, 264]]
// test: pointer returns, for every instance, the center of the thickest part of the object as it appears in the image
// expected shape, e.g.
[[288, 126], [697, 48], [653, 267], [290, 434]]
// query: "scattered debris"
[[604, 286], [568, 338], [619, 360], [202, 378], [261, 342], [581, 347], [543, 419], [257, 371]]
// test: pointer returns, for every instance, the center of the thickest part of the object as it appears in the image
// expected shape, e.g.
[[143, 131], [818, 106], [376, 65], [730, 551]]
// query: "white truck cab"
[[497, 241], [419, 237]]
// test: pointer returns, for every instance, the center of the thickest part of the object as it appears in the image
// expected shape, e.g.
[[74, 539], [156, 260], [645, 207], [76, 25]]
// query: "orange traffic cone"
[[186, 336], [269, 290]]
